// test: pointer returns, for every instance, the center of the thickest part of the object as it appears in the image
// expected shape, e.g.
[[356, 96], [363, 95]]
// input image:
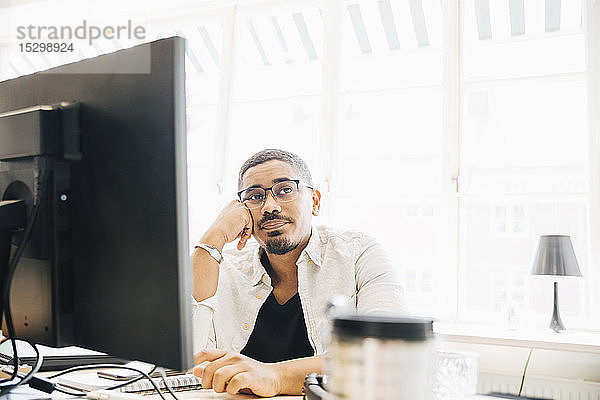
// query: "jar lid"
[[389, 327]]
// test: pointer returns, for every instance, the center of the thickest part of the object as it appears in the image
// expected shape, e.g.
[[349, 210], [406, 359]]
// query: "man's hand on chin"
[[233, 372]]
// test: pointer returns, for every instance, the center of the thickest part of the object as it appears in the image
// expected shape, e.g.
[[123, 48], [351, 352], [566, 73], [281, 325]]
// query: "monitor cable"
[[23, 378], [143, 375], [85, 367], [40, 194]]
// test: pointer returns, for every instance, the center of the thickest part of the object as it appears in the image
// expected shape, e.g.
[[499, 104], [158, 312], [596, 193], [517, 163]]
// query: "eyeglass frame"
[[266, 190]]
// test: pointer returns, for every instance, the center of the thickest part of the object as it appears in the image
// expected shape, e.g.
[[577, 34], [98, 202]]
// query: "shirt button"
[[265, 278], [246, 326], [309, 262], [258, 296]]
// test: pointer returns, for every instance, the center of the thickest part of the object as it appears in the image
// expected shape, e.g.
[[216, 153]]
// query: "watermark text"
[[83, 32]]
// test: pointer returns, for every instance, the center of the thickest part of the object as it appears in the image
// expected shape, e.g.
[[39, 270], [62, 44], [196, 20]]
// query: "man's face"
[[280, 227]]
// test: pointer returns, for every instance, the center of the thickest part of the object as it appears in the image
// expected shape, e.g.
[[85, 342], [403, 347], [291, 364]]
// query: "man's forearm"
[[293, 372], [206, 269]]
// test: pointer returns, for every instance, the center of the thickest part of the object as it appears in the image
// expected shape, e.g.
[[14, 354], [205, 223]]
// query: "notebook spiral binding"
[[177, 382]]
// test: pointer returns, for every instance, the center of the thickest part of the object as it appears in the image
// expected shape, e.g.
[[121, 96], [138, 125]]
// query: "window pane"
[[525, 138], [514, 39], [279, 54], [525, 58], [391, 141], [390, 44], [415, 232], [524, 157], [498, 242]]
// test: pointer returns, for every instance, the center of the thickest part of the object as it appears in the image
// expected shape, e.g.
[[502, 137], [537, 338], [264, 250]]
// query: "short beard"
[[280, 246]]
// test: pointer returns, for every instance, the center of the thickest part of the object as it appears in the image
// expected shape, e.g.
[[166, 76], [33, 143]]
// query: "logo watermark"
[[81, 32], [38, 42]]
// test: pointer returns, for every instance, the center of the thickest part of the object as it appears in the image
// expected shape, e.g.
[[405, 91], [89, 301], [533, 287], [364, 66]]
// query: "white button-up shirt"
[[333, 262]]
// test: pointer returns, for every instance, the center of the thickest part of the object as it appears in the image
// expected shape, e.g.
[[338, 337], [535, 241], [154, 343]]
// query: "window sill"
[[578, 341]]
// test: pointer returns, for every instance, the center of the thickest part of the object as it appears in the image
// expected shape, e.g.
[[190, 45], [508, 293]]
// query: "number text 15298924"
[[45, 47]]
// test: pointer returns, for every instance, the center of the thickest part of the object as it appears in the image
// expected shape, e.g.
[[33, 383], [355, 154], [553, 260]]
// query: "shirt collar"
[[260, 273], [313, 248], [312, 252]]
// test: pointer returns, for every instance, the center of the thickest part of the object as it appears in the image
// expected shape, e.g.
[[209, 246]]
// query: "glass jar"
[[455, 375]]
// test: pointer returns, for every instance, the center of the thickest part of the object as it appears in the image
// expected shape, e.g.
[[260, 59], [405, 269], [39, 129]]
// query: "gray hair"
[[276, 154]]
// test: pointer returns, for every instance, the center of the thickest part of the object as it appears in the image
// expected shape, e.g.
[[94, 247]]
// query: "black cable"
[[47, 386], [99, 366], [40, 192], [24, 378], [131, 380], [15, 360], [164, 378], [10, 359], [524, 371]]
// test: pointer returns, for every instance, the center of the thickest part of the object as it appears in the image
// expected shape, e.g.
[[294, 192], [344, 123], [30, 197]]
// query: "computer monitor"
[[107, 267]]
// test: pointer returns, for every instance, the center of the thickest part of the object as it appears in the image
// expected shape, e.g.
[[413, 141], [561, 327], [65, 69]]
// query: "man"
[[259, 311]]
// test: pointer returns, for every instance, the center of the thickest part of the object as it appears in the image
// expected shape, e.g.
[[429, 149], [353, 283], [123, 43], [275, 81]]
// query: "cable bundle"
[[17, 379]]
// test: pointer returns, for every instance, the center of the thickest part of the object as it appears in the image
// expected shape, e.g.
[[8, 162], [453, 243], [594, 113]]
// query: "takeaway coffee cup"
[[380, 358]]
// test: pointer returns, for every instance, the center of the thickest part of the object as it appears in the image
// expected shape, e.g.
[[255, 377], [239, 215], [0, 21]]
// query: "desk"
[[30, 394], [25, 393]]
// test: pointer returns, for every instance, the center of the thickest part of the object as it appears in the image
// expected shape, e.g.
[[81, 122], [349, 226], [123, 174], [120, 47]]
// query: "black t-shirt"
[[279, 332]]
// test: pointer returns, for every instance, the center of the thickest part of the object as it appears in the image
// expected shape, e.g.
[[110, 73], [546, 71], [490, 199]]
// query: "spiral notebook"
[[176, 382], [91, 381]]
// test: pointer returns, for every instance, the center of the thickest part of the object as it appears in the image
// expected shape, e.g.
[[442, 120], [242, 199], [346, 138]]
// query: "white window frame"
[[453, 93], [229, 13]]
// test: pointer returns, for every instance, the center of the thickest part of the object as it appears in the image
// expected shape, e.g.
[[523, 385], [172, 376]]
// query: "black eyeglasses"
[[282, 191]]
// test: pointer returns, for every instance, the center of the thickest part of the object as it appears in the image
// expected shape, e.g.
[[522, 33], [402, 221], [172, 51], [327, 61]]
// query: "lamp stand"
[[556, 324]]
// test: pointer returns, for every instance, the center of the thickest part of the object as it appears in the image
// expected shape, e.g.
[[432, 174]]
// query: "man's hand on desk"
[[234, 372]]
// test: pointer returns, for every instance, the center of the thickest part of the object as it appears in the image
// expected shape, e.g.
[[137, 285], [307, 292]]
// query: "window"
[[469, 127], [524, 155]]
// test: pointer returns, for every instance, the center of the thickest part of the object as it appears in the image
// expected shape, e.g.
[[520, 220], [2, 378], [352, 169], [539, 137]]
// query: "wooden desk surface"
[[30, 394], [209, 394], [25, 393]]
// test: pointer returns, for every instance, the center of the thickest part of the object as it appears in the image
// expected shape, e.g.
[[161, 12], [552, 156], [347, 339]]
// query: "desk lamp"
[[555, 257]]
